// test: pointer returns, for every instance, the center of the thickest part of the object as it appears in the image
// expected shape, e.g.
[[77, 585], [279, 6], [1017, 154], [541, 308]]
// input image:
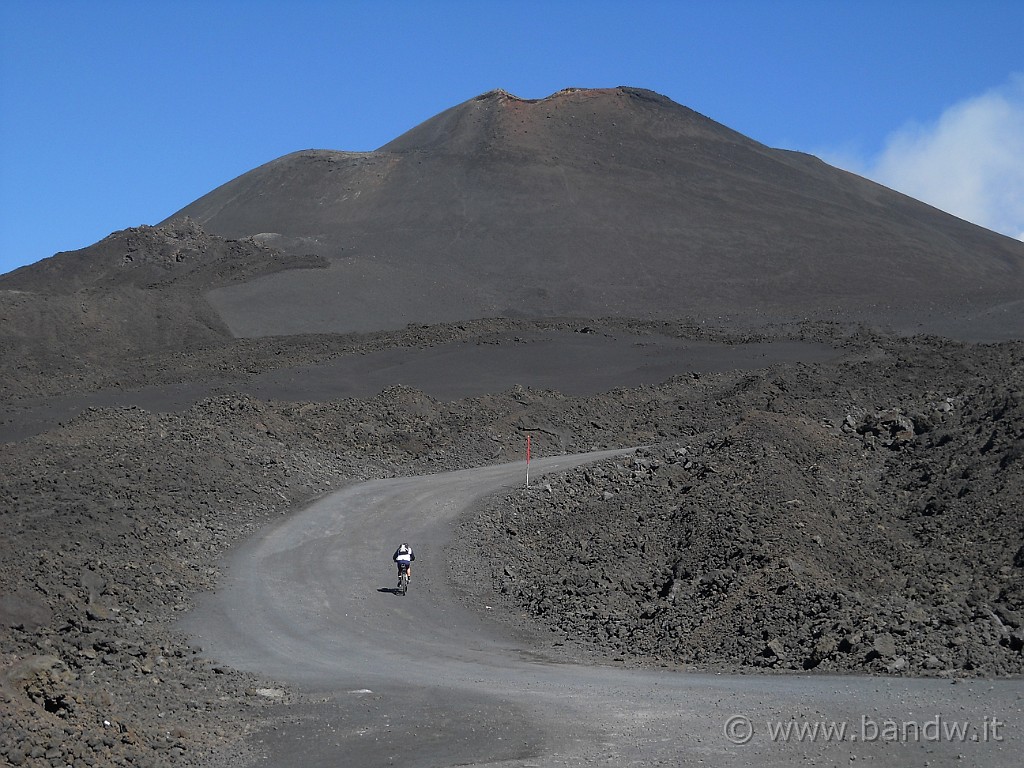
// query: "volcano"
[[236, 415], [598, 203]]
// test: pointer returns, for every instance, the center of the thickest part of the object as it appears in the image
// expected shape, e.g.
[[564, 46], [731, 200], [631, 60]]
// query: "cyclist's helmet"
[[404, 548]]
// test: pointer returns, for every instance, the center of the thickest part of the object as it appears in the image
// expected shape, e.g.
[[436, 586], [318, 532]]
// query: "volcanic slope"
[[595, 203], [80, 316]]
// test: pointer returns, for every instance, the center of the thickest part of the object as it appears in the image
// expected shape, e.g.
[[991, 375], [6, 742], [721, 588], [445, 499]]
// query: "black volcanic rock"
[[611, 202]]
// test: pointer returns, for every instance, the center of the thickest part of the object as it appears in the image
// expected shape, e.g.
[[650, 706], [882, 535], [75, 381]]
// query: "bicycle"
[[403, 579]]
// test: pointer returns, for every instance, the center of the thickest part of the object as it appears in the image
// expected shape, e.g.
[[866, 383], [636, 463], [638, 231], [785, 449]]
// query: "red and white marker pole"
[[527, 461]]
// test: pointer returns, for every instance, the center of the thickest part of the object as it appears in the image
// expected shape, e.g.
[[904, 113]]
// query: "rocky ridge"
[[789, 536]]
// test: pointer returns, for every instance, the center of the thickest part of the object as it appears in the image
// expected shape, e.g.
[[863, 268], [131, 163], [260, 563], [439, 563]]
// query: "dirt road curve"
[[423, 681]]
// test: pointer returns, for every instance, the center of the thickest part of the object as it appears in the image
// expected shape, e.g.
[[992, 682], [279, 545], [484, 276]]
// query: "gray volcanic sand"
[[573, 362]]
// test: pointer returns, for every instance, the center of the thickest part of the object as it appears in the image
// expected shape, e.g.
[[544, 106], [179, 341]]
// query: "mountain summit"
[[596, 202]]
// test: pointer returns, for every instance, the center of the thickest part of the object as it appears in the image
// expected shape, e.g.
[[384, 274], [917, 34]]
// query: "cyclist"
[[403, 558]]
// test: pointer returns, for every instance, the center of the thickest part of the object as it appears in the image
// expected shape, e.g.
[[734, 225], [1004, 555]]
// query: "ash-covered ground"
[[856, 515]]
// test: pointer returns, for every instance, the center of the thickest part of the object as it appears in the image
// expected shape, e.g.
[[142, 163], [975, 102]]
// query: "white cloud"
[[970, 162]]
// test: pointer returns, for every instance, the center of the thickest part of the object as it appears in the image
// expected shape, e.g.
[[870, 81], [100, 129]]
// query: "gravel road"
[[370, 678]]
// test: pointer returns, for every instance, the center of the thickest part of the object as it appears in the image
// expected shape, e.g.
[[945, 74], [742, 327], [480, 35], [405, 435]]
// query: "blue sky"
[[116, 114]]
